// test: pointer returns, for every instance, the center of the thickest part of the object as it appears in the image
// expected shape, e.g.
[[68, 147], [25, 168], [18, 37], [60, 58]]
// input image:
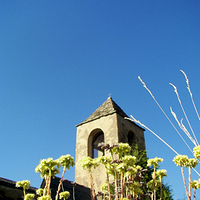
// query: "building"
[[108, 125], [8, 190]]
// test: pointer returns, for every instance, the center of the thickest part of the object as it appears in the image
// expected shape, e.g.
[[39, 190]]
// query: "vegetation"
[[181, 160], [135, 177], [131, 175], [25, 184], [89, 163], [48, 168], [131, 180]]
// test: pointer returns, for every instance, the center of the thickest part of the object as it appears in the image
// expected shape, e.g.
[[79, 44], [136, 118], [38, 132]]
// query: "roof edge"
[[85, 122]]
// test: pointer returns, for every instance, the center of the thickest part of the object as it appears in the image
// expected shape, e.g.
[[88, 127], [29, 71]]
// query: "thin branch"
[[144, 85], [183, 176], [144, 126], [183, 128], [59, 186], [176, 91], [191, 96], [136, 121]]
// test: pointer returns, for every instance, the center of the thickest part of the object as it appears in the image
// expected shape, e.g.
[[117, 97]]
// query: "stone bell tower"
[[106, 124]]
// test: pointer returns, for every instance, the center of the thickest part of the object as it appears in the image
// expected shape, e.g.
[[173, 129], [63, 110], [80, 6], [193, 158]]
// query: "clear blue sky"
[[60, 60]]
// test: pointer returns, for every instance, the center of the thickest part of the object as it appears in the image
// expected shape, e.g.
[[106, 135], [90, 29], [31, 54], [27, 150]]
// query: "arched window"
[[96, 137], [132, 141], [97, 151]]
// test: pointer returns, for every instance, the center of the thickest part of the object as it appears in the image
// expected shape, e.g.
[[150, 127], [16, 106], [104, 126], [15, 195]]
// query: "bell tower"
[[106, 124]]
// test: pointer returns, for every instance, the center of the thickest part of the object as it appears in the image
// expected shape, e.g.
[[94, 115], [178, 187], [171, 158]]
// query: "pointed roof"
[[107, 108]]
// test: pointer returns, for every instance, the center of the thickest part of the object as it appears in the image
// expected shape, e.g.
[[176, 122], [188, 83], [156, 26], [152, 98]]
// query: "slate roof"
[[8, 190], [107, 108]]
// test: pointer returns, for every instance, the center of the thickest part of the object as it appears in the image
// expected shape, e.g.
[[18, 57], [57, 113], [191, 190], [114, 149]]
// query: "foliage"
[[25, 184], [29, 196], [132, 176], [66, 161], [184, 162], [180, 160], [45, 197], [121, 149], [196, 151], [161, 173], [88, 163], [142, 161], [154, 162], [40, 191], [129, 176], [64, 195], [195, 184], [48, 168]]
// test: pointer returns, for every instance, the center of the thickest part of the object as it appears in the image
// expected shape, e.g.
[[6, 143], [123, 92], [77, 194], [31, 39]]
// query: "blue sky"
[[60, 60]]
